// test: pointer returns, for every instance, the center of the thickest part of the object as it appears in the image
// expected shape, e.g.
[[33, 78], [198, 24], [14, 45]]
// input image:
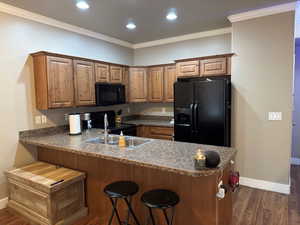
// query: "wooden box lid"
[[45, 177]]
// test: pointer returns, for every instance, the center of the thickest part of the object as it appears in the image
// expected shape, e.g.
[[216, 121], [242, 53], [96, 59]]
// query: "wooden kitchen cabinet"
[[54, 86], [156, 132], [102, 72], [125, 81], [187, 68], [213, 67], [116, 74], [84, 78], [169, 80], [67, 81], [156, 84], [138, 84]]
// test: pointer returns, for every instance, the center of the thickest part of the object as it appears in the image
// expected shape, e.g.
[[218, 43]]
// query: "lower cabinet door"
[[156, 132]]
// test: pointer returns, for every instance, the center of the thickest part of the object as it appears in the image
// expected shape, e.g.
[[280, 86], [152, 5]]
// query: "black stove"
[[98, 122]]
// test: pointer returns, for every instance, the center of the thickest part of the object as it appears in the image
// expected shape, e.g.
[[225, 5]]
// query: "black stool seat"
[[160, 198], [121, 189]]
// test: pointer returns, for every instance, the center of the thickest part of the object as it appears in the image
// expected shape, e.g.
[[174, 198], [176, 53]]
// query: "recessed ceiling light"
[[82, 5], [172, 15], [131, 26]]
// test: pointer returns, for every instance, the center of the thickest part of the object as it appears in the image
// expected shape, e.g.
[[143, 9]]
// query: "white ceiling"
[[109, 17]]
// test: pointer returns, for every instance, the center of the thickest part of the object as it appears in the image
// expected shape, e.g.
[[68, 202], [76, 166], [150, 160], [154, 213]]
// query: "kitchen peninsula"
[[153, 164]]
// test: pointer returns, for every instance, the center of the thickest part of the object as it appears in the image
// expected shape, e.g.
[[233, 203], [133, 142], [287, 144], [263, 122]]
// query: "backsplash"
[[152, 109], [56, 116]]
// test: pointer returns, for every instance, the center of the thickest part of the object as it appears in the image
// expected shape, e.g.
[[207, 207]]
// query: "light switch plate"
[[38, 120], [275, 116], [44, 119]]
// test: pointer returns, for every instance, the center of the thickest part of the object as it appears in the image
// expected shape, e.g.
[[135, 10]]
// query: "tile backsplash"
[[56, 117], [152, 109]]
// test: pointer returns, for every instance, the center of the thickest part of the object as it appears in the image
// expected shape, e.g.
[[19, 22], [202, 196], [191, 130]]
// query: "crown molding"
[[9, 9], [12, 10], [186, 37], [263, 12]]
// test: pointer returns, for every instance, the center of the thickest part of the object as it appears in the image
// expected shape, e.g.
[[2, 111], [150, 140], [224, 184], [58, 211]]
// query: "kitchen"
[[148, 103]]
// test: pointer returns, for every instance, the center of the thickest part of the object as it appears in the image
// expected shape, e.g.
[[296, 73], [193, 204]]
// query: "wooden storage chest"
[[47, 194]]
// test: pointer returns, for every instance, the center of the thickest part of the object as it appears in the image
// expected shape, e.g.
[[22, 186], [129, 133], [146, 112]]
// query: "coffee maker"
[[86, 121]]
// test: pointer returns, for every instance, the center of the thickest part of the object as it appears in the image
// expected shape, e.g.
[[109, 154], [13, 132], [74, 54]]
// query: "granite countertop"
[[150, 122], [169, 156]]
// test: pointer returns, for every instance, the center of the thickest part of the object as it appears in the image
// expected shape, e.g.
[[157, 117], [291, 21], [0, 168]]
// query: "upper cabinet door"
[[102, 72], [169, 80], [187, 69], [212, 67], [155, 84], [60, 82], [138, 85], [125, 81], [116, 74], [84, 83]]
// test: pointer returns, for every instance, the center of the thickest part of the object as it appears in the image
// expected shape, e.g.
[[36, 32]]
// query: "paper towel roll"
[[74, 124]]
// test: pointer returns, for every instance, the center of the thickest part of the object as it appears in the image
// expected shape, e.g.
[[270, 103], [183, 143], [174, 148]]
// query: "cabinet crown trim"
[[206, 57], [75, 58]]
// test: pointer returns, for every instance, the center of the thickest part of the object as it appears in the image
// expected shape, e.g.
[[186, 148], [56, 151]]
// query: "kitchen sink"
[[131, 142]]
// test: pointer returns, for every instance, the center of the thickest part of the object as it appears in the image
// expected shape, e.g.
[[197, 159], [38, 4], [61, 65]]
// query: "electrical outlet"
[[44, 119], [220, 184], [38, 120], [66, 116], [275, 116]]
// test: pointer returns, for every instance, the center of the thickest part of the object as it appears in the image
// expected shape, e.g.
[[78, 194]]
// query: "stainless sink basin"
[[131, 142]]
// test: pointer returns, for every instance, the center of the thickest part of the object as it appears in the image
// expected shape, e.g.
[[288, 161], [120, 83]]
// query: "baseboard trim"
[[3, 203], [265, 185], [295, 161]]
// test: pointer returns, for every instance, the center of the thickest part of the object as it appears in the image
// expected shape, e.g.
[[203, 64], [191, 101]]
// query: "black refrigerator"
[[202, 110]]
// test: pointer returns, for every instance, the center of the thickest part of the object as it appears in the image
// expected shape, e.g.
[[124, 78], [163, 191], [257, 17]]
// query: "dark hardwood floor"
[[251, 207]]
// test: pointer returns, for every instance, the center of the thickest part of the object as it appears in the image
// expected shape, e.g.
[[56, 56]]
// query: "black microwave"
[[109, 94]]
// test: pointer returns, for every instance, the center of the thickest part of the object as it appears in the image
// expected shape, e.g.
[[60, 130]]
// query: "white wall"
[[262, 78], [296, 112], [167, 53], [19, 38]]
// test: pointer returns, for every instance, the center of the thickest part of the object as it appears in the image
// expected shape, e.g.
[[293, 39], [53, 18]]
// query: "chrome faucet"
[[105, 128]]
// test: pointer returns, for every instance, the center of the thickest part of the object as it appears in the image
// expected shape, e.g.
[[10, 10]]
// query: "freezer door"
[[183, 111], [210, 112], [183, 94]]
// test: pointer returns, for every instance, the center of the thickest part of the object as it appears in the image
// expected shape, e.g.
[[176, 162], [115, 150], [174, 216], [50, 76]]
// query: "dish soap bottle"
[[122, 141]]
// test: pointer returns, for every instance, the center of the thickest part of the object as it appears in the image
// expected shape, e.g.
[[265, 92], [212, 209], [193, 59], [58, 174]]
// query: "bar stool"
[[163, 200], [122, 190]]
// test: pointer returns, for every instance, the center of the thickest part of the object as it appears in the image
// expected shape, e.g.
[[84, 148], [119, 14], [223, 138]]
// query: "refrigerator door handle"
[[195, 121], [192, 116], [183, 125]]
